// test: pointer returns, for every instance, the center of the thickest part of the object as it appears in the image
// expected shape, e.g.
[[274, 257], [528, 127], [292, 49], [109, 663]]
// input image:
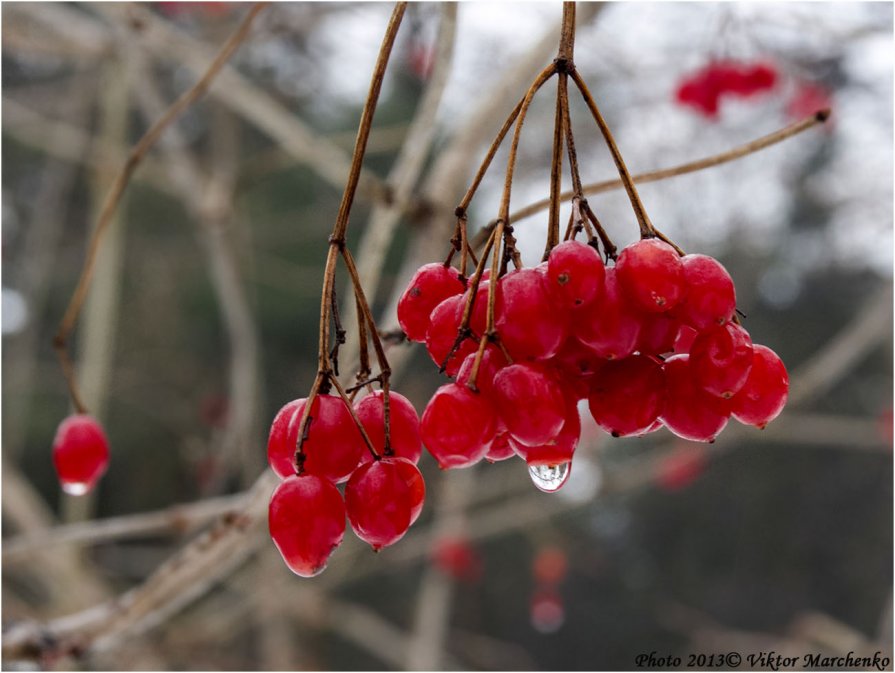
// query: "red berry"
[[721, 358], [378, 503], [711, 297], [306, 518], [550, 565], [442, 334], [658, 332], [531, 326], [651, 274], [80, 453], [764, 395], [457, 558], [529, 402], [501, 449], [404, 425], [414, 480], [281, 443], [609, 327], [628, 395], [577, 364], [492, 362], [558, 450], [681, 468], [430, 285], [575, 273], [458, 426], [333, 446], [690, 412], [685, 339]]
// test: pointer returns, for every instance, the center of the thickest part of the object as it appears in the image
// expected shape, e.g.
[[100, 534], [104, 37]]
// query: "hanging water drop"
[[550, 478]]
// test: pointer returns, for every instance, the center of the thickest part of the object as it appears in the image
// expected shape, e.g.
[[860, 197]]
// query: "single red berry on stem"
[[283, 438], [628, 395], [651, 274], [560, 449], [711, 297], [458, 426], [522, 307], [378, 503], [609, 327], [721, 358], [764, 395], [690, 412], [306, 518], [333, 446], [430, 285], [442, 335], [575, 273], [80, 453], [530, 403], [404, 425]]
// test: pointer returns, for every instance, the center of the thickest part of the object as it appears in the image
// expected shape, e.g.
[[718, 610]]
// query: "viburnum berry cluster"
[[704, 89], [649, 337]]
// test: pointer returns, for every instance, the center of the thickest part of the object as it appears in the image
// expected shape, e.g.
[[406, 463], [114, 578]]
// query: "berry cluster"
[[384, 490], [649, 342], [704, 89]]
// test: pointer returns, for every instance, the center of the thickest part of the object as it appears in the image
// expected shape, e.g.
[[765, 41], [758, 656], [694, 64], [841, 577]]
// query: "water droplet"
[[75, 487], [550, 478]]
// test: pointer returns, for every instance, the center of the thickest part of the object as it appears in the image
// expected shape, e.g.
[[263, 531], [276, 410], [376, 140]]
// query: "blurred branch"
[[114, 196], [870, 326], [69, 142], [251, 102], [176, 520]]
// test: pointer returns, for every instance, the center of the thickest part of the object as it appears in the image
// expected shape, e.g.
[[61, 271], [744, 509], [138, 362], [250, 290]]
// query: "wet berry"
[[651, 274], [458, 426], [80, 453], [764, 395], [404, 425], [575, 273], [430, 285], [711, 298], [523, 305], [306, 518], [529, 402], [690, 412], [628, 395], [720, 359], [378, 503]]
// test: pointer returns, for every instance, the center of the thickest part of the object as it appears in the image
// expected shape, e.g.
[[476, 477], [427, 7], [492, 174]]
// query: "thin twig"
[[738, 152], [60, 341]]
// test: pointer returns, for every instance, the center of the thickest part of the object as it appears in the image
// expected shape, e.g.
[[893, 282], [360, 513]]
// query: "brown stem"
[[567, 38], [646, 227], [490, 331], [337, 238], [113, 198], [555, 172], [664, 173]]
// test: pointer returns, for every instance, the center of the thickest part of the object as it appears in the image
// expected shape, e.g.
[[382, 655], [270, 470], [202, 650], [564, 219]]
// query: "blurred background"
[[202, 322]]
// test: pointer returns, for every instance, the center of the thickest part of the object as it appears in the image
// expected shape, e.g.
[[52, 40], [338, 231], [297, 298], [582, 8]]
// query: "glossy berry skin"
[[442, 334], [558, 450], [306, 518], [690, 412], [458, 426], [414, 480], [651, 275], [333, 447], [684, 340], [492, 362], [658, 332], [720, 359], [530, 324], [711, 297], [404, 425], [80, 453], [575, 273], [430, 285], [764, 395], [628, 395], [530, 403], [378, 503], [610, 327], [281, 442], [500, 448], [577, 364]]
